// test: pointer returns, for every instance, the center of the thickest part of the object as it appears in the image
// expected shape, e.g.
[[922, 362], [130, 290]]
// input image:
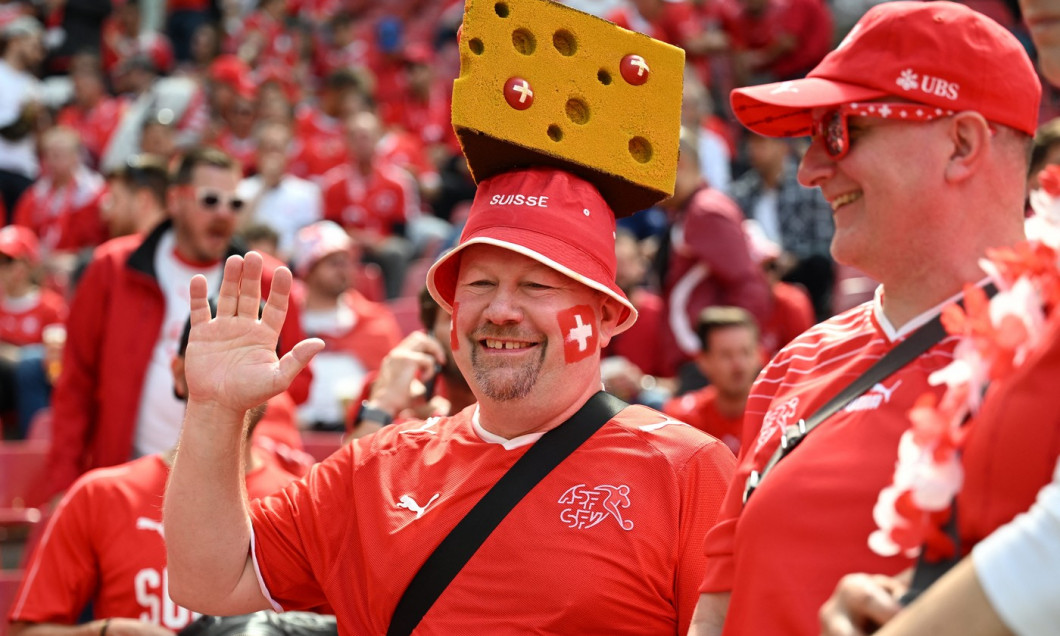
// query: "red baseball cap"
[[20, 243], [936, 53], [548, 215]]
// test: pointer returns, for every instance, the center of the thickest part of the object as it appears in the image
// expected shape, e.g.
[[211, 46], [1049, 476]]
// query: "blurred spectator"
[[264, 39], [20, 106], [184, 20], [321, 130], [113, 399], [640, 343], [791, 310], [26, 312], [340, 48], [776, 39], [704, 259], [72, 26], [373, 201], [104, 546], [62, 207], [418, 378], [205, 48], [236, 133], [178, 102], [93, 113], [158, 136], [278, 199], [135, 202], [124, 40], [357, 332], [262, 239], [715, 149], [797, 218], [1046, 151], [730, 361], [229, 80]]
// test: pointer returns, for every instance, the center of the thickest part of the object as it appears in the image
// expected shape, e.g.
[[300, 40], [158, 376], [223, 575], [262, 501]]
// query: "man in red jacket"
[[114, 399]]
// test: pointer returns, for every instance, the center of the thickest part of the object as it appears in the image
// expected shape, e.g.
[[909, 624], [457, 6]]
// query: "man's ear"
[[611, 312], [970, 137], [180, 381]]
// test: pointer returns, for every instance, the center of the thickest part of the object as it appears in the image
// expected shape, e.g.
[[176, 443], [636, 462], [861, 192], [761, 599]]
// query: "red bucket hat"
[[936, 53], [548, 215]]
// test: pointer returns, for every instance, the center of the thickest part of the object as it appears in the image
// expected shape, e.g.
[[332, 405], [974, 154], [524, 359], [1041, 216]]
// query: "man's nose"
[[816, 166], [504, 306]]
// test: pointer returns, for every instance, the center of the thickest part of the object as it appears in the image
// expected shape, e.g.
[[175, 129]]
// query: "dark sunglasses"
[[832, 126], [212, 200]]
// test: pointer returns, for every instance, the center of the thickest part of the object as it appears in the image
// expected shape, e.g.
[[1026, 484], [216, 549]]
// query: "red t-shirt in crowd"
[[64, 217], [376, 203], [22, 320], [95, 125], [700, 409], [809, 521], [609, 542], [104, 544]]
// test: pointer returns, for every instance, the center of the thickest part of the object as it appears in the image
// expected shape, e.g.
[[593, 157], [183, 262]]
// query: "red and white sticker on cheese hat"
[[578, 326]]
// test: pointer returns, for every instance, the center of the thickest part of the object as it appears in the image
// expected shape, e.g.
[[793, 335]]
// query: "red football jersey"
[[23, 320], [376, 203], [808, 522], [609, 542], [104, 544]]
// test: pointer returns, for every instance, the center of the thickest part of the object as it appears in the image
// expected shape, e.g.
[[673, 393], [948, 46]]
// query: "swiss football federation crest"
[[579, 334], [588, 507], [775, 420]]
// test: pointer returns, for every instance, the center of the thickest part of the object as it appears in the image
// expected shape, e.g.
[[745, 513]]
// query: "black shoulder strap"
[[917, 343], [464, 540]]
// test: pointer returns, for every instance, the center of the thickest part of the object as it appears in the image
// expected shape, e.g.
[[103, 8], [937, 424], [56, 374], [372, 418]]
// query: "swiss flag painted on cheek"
[[578, 326], [454, 341]]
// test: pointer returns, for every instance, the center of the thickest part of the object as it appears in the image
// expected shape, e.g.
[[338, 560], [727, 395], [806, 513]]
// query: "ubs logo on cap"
[[908, 80]]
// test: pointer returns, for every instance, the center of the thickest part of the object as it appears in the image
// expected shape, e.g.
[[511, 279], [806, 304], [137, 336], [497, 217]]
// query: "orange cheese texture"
[[584, 116]]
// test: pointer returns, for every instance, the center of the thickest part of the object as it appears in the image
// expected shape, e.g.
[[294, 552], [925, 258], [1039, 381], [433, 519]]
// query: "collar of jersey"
[[507, 444], [893, 334]]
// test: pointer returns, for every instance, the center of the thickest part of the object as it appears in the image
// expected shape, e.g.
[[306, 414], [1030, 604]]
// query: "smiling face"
[[510, 324], [882, 192]]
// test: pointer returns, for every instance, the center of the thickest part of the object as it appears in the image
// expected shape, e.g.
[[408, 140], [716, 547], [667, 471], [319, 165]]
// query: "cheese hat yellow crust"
[[584, 116]]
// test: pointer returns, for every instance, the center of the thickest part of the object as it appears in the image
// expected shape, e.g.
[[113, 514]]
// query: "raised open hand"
[[231, 360]]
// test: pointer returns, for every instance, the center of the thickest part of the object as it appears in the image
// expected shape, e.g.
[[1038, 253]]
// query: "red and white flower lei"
[[997, 334]]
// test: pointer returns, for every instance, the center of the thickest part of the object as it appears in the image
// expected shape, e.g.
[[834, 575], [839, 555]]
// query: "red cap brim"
[[782, 109]]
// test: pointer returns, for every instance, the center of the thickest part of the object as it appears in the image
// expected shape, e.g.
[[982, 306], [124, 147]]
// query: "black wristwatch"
[[372, 414]]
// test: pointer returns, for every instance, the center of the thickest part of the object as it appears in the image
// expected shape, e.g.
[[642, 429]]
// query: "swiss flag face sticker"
[[578, 326], [454, 341]]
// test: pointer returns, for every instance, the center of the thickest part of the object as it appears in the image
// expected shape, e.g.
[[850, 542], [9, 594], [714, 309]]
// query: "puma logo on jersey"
[[425, 428], [877, 395], [143, 523], [589, 506], [407, 502], [649, 428]]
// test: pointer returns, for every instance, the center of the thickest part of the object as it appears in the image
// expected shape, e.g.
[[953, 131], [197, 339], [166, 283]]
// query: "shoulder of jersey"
[[667, 435], [841, 328]]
